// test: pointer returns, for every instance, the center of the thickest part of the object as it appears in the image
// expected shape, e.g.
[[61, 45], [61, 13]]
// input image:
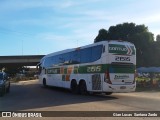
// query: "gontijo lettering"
[[118, 48]]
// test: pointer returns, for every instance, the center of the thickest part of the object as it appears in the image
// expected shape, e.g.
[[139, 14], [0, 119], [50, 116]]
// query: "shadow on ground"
[[33, 96]]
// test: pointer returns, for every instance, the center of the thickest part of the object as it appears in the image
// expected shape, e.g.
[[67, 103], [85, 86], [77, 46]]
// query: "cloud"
[[81, 19], [66, 4], [28, 4], [154, 18]]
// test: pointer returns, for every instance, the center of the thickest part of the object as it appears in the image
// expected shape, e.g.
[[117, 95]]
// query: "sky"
[[40, 27]]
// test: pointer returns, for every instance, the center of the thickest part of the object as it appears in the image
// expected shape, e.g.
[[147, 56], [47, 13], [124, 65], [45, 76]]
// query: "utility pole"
[[22, 47]]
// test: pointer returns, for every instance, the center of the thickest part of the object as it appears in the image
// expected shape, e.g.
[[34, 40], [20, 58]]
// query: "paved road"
[[31, 96]]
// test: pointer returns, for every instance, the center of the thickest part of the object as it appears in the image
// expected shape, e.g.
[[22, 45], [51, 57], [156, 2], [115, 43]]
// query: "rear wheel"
[[2, 92], [82, 88], [108, 93], [74, 87]]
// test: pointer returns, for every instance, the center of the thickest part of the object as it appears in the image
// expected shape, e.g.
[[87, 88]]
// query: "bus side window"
[[75, 57], [85, 55], [96, 52]]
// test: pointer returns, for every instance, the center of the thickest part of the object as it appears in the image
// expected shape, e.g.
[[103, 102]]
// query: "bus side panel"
[[56, 80]]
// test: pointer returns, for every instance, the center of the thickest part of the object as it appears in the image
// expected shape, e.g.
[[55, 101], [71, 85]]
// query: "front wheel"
[[2, 92], [44, 83]]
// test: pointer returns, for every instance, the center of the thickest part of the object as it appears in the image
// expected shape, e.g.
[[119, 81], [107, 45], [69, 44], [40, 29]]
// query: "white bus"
[[103, 67]]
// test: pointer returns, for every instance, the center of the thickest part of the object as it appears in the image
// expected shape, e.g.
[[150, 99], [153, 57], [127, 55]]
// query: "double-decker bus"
[[103, 67]]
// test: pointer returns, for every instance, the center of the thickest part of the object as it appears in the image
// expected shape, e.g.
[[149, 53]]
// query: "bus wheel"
[[82, 88], [2, 92], [108, 93], [44, 83], [74, 87], [8, 89]]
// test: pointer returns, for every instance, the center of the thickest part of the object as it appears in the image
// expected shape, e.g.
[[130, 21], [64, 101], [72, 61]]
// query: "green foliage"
[[102, 35], [158, 38], [138, 35]]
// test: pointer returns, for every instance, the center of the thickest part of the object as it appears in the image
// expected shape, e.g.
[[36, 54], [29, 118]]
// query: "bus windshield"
[[122, 68]]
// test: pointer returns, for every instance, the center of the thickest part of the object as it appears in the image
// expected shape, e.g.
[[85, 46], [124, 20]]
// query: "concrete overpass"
[[24, 60]]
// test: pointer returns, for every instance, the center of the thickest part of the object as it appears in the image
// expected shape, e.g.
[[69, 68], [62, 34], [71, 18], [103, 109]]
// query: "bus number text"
[[94, 69]]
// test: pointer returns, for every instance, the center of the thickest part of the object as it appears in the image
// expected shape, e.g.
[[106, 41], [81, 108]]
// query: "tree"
[[137, 34], [121, 31], [158, 38], [102, 35]]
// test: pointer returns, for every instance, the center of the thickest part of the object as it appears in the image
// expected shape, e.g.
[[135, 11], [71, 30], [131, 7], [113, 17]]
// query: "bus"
[[102, 67]]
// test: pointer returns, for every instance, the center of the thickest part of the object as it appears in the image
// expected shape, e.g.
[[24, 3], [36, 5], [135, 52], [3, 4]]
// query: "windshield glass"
[[1, 76], [122, 69]]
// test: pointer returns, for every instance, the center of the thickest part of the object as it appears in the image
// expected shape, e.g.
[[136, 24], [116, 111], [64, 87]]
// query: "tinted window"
[[56, 59], [96, 52], [47, 62], [61, 59], [86, 55], [122, 68], [75, 57], [53, 60], [66, 57]]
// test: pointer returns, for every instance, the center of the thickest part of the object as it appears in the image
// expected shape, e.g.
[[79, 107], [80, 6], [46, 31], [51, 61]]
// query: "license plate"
[[123, 87]]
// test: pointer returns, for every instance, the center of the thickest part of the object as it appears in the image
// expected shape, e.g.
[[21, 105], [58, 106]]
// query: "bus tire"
[[82, 88], [108, 93], [44, 83], [74, 87], [2, 92]]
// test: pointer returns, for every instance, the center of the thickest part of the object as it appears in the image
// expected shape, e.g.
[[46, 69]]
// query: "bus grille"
[[96, 82]]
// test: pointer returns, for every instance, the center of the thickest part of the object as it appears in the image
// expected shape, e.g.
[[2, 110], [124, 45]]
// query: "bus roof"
[[90, 45]]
